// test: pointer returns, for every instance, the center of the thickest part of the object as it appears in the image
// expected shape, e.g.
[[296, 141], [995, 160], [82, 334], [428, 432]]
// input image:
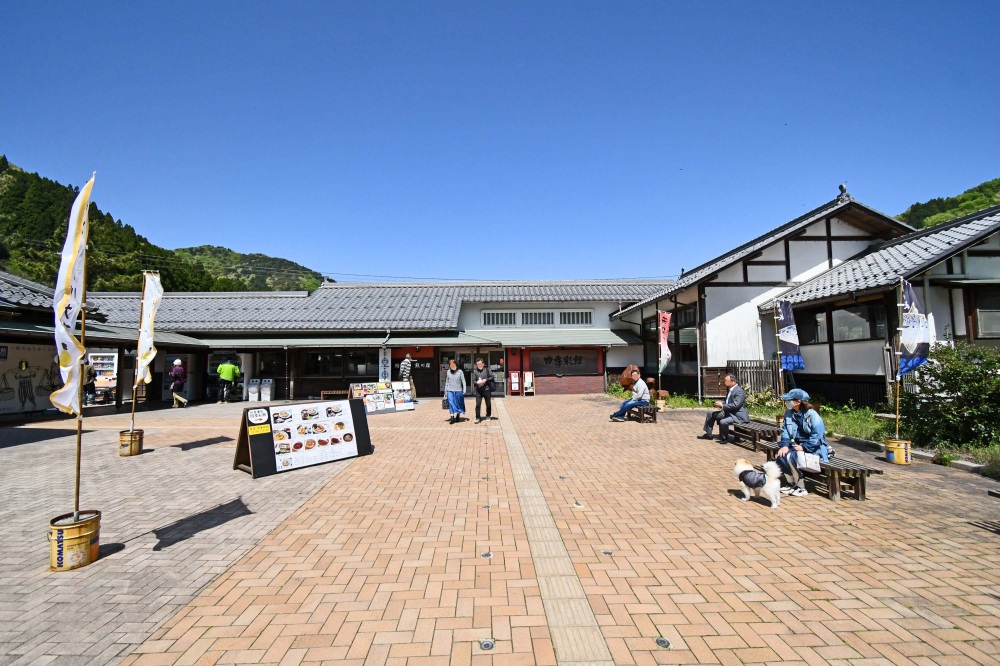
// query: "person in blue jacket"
[[802, 430]]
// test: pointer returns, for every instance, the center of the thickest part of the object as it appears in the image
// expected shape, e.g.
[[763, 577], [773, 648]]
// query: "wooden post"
[[899, 349]]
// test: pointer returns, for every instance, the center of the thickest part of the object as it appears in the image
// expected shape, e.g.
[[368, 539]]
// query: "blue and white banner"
[[914, 334], [788, 337]]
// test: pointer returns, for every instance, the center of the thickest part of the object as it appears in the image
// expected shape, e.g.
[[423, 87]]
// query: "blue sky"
[[507, 140]]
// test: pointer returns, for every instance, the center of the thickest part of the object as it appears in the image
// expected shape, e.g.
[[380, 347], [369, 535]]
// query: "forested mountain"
[[33, 220], [941, 210], [257, 272]]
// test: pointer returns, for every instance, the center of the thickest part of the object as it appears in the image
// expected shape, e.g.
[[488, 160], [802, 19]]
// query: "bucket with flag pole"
[[74, 538], [911, 352], [130, 441]]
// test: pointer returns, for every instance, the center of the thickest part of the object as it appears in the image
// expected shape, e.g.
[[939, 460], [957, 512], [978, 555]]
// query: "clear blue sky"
[[497, 139]]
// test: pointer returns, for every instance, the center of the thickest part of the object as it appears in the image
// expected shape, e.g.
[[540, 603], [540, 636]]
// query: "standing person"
[[802, 429], [89, 383], [731, 410], [406, 375], [228, 374], [454, 386], [640, 396], [484, 382], [178, 377]]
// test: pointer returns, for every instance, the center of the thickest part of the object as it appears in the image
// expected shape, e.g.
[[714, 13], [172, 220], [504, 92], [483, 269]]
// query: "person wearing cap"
[[802, 429], [178, 376]]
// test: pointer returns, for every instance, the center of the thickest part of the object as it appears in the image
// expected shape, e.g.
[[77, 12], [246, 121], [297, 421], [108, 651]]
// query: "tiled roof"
[[910, 255], [359, 306], [16, 291], [710, 268]]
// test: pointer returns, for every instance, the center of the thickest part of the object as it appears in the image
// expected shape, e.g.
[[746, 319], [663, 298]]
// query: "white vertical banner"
[[67, 302], [152, 294], [384, 364]]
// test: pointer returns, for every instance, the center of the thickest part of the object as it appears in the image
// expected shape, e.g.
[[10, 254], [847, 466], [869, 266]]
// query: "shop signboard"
[[28, 376], [288, 437], [384, 364], [564, 362]]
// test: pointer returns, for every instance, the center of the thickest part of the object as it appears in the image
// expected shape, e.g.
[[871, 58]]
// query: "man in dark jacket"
[[482, 380], [731, 410]]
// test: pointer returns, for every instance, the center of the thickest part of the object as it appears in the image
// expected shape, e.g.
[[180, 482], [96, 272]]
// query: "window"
[[499, 319], [988, 312], [323, 364], [859, 322], [537, 318], [582, 318], [811, 326], [362, 363]]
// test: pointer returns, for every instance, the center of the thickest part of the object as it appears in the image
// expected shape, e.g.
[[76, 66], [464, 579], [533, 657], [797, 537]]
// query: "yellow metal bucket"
[[129, 442], [74, 544], [897, 451]]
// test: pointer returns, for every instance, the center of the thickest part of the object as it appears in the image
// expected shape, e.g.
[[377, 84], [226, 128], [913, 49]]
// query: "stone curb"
[[964, 465]]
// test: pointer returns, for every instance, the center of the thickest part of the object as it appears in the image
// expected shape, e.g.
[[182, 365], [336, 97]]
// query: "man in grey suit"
[[731, 410]]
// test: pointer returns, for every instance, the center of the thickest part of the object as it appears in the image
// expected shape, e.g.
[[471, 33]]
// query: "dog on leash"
[[769, 480]]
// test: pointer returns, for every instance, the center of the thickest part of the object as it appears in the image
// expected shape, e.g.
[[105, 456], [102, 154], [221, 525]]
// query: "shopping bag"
[[807, 462], [444, 403]]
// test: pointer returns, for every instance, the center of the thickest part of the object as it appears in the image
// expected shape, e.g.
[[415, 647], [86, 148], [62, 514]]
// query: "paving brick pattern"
[[910, 576], [383, 566], [378, 560], [102, 611]]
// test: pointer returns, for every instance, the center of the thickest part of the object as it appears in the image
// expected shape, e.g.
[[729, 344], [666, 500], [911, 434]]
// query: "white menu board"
[[312, 433]]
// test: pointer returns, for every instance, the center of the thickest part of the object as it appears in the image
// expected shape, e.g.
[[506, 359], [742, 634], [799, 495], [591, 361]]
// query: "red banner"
[[664, 321]]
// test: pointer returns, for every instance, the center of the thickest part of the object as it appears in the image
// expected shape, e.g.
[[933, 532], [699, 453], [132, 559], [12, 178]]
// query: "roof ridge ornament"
[[844, 196]]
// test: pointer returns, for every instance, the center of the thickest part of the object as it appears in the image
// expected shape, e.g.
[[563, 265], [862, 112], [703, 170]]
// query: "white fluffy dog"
[[769, 480]]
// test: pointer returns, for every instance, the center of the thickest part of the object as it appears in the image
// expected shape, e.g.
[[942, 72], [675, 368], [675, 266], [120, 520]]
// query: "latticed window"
[[582, 318], [537, 318], [499, 319]]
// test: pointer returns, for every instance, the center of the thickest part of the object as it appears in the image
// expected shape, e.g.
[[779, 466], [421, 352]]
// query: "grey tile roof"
[[710, 268], [882, 265], [360, 306], [16, 291], [98, 333]]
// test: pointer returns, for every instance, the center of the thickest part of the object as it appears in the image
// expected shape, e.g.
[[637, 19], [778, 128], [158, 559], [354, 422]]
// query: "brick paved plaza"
[[380, 559]]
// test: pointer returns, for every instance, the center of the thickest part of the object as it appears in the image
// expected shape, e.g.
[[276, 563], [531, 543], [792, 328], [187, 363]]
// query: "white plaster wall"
[[844, 250], [983, 267], [816, 358], [958, 303], [840, 228], [625, 356], [471, 318], [808, 259], [936, 308], [768, 337], [817, 228], [857, 358], [732, 274], [773, 252], [766, 273]]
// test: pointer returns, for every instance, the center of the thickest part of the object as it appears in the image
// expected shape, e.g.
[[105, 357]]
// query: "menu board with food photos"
[[287, 437], [384, 397]]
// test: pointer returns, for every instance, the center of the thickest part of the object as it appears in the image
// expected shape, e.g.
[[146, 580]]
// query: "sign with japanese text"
[[564, 362], [664, 333]]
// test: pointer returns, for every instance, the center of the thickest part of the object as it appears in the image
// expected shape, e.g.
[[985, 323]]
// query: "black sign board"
[[564, 362], [288, 437]]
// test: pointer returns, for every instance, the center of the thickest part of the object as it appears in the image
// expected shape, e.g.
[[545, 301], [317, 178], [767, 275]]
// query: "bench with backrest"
[[645, 414], [837, 471]]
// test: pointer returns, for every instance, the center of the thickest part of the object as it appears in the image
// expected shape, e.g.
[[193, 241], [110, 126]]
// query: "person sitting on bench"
[[640, 397], [802, 429], [731, 410]]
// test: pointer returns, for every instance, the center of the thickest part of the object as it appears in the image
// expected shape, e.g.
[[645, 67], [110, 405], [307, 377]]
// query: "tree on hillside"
[[941, 209]]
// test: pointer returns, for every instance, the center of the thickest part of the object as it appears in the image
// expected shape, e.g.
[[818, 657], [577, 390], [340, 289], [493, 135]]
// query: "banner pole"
[[777, 345], [659, 355], [83, 378], [138, 344], [899, 350]]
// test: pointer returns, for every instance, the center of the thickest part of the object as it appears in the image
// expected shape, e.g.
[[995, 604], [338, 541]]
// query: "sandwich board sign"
[[288, 437]]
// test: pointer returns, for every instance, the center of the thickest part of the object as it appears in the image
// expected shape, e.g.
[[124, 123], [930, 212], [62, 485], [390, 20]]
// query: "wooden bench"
[[645, 414], [757, 432], [993, 493], [332, 395], [835, 472]]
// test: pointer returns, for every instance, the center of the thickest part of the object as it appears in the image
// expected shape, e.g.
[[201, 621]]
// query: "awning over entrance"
[[448, 340], [98, 333]]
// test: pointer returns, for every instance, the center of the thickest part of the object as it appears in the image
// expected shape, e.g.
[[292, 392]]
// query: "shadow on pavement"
[[108, 549], [18, 436], [991, 526], [185, 528], [187, 446]]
